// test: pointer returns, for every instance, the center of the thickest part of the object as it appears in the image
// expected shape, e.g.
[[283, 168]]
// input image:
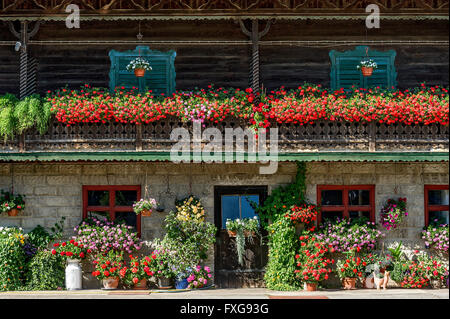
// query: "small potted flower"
[[367, 66], [138, 272], [145, 207], [107, 269], [349, 269], [162, 268], [139, 66], [199, 277], [11, 204]]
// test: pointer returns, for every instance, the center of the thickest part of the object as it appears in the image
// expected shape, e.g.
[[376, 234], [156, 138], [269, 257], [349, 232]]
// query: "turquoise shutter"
[[161, 79], [344, 73]]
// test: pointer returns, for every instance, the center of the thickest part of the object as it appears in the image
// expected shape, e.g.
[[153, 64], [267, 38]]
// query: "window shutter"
[[161, 79], [344, 73]]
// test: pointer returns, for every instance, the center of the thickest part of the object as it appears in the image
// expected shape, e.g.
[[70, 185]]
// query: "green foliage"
[[12, 258], [46, 271], [283, 197], [188, 233], [18, 116], [396, 252], [283, 243], [280, 270]]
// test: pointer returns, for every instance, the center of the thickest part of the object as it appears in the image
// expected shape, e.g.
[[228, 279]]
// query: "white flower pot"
[[74, 275]]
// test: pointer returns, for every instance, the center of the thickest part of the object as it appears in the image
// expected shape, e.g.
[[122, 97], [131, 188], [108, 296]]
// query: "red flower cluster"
[[70, 249], [303, 214], [108, 266], [306, 104], [312, 264], [353, 266], [138, 269]]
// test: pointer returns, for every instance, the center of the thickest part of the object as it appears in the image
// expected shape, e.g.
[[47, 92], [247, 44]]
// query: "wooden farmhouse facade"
[[352, 167]]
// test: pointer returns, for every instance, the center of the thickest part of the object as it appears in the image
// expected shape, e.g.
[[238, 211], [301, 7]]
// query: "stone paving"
[[253, 293]]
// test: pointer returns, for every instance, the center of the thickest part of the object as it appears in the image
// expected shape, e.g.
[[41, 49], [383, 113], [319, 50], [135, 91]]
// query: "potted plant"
[[73, 252], [145, 207], [11, 204], [242, 229], [302, 216], [199, 277], [138, 272], [349, 269], [139, 66], [162, 268], [107, 269], [436, 236], [313, 266], [393, 213], [367, 66]]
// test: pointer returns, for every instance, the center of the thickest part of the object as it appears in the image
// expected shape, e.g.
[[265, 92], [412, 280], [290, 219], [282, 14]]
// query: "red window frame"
[[112, 209], [345, 207], [429, 208]]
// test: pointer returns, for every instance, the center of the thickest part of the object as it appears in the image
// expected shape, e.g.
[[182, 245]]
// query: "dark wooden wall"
[[225, 64]]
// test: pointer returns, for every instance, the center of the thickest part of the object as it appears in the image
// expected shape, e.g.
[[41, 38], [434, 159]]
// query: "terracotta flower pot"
[[231, 233], [141, 285], [13, 212], [139, 72], [311, 286], [349, 283], [146, 212], [366, 71], [111, 283], [249, 234]]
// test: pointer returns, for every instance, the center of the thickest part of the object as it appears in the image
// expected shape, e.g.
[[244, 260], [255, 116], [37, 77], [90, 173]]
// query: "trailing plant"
[[393, 213], [7, 119], [46, 271], [244, 229]]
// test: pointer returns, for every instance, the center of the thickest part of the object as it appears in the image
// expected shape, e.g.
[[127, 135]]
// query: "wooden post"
[[372, 137], [139, 137], [255, 36]]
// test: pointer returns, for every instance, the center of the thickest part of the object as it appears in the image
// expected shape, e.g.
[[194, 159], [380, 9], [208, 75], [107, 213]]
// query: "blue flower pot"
[[182, 284]]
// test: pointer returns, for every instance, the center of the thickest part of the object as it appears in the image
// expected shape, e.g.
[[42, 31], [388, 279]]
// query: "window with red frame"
[[436, 204], [355, 201], [114, 202]]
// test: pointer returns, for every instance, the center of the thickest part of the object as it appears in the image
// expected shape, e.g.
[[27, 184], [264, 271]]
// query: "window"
[[436, 204], [354, 201], [161, 79], [344, 73], [114, 202], [235, 202]]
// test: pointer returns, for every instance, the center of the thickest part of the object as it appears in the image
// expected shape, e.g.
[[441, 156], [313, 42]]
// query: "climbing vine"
[[282, 240]]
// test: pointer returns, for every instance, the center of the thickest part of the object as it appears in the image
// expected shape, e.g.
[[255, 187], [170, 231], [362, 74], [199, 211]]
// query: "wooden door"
[[233, 202]]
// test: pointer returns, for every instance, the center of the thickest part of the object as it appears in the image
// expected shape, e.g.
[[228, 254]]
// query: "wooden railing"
[[320, 136]]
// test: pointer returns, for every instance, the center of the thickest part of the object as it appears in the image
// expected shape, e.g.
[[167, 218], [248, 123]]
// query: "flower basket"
[[13, 212], [147, 212], [349, 283], [138, 72], [111, 283], [140, 285], [310, 286], [366, 71]]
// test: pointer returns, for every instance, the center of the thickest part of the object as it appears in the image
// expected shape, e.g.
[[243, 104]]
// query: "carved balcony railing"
[[320, 136]]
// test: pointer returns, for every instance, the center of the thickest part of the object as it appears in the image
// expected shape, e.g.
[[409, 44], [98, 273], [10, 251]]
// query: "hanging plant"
[[242, 229], [393, 213], [367, 66], [145, 207], [139, 66]]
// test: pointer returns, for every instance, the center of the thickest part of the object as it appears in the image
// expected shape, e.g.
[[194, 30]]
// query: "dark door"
[[231, 202]]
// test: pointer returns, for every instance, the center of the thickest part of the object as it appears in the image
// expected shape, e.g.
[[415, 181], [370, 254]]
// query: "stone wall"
[[54, 190]]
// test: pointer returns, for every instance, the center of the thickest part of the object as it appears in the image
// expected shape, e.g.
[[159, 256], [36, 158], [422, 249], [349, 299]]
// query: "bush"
[[47, 271], [12, 258]]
